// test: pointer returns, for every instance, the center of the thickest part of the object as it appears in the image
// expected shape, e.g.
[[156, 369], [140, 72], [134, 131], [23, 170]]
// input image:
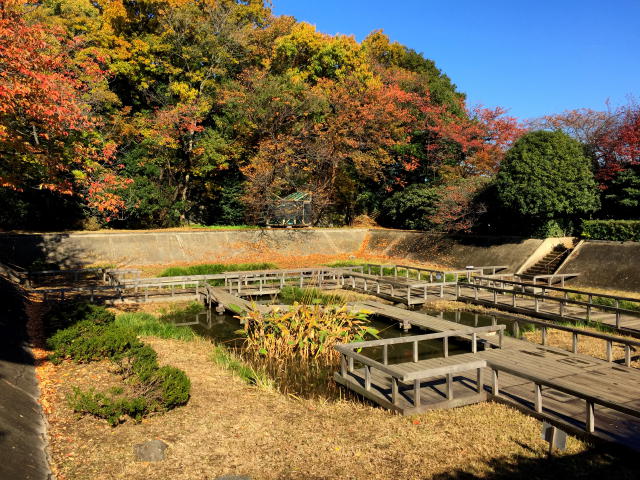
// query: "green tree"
[[411, 208], [545, 176], [622, 197]]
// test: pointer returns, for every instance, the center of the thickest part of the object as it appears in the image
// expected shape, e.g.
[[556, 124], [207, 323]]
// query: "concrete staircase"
[[550, 263]]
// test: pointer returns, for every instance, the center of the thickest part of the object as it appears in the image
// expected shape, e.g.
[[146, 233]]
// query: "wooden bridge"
[[579, 393]]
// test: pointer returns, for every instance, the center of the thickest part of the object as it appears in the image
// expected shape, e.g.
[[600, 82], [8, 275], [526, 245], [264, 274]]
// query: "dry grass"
[[593, 347], [229, 427]]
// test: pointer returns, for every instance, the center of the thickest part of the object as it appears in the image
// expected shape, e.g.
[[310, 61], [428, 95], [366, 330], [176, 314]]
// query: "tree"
[[411, 208], [622, 197], [546, 175]]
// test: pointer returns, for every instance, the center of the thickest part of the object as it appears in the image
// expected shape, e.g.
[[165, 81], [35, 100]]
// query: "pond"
[[224, 328]]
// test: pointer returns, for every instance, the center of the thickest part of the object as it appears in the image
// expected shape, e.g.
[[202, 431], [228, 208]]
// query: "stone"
[[151, 451]]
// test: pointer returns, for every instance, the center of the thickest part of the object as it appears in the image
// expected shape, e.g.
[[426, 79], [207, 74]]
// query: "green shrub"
[[86, 341], [65, 314], [174, 386], [110, 407], [98, 336], [616, 230]]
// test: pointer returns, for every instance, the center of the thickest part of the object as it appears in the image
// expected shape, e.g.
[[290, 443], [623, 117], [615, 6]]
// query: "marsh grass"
[[309, 296], [148, 325], [215, 268], [235, 364]]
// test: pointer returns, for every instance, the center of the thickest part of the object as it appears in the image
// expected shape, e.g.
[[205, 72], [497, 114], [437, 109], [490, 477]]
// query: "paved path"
[[22, 428]]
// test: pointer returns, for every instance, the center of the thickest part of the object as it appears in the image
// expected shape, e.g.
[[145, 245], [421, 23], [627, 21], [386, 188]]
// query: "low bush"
[[86, 341], [152, 388], [215, 268], [615, 230], [66, 314]]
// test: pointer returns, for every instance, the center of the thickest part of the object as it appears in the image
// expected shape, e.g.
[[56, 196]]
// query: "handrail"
[[558, 289], [546, 265], [541, 296], [591, 400], [418, 338]]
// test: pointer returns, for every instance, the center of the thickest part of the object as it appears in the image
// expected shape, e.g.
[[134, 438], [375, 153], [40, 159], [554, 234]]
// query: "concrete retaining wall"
[[451, 250], [609, 265], [602, 264], [149, 248]]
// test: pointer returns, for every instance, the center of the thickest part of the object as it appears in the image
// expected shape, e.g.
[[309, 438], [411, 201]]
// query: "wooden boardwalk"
[[552, 303], [578, 392]]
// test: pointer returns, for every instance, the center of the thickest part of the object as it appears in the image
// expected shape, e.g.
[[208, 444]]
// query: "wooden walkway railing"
[[526, 298], [415, 373]]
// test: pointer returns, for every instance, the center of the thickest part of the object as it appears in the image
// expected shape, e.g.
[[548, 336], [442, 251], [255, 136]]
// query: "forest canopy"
[[137, 114]]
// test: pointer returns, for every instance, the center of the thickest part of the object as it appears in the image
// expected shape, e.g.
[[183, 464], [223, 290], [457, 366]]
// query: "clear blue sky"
[[533, 57]]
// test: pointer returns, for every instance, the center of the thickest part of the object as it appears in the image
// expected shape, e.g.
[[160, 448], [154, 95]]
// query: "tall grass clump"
[[215, 268], [308, 296], [235, 364], [295, 347], [145, 324]]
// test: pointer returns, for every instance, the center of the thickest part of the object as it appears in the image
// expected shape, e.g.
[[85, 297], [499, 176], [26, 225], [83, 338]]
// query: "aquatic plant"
[[304, 331]]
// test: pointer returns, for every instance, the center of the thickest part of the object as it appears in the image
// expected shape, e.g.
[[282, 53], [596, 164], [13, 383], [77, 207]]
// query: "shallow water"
[[224, 329]]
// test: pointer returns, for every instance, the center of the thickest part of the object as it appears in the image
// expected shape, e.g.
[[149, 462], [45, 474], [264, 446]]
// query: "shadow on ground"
[[602, 462]]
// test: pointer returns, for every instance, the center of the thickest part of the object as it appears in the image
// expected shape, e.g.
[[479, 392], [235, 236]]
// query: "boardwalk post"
[[385, 354], [449, 386], [627, 355], [445, 346], [495, 390], [544, 335], [415, 351], [343, 365], [609, 351], [474, 342], [416, 393], [590, 420], [538, 397], [367, 377], [394, 390], [574, 346]]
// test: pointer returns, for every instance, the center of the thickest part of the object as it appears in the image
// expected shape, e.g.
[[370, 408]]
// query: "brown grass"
[[593, 347], [229, 427]]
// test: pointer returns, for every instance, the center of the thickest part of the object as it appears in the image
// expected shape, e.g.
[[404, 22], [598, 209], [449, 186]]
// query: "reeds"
[[295, 347]]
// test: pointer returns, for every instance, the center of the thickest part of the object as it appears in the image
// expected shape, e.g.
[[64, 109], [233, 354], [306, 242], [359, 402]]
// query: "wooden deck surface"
[[608, 382]]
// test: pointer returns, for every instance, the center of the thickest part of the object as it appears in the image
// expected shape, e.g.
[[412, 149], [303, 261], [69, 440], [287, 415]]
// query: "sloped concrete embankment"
[[609, 265], [453, 251], [149, 248]]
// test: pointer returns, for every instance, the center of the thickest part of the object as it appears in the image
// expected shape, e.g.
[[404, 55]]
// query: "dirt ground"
[[229, 427]]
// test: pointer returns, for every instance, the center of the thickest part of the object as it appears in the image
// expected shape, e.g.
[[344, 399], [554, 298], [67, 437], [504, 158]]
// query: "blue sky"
[[534, 58]]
